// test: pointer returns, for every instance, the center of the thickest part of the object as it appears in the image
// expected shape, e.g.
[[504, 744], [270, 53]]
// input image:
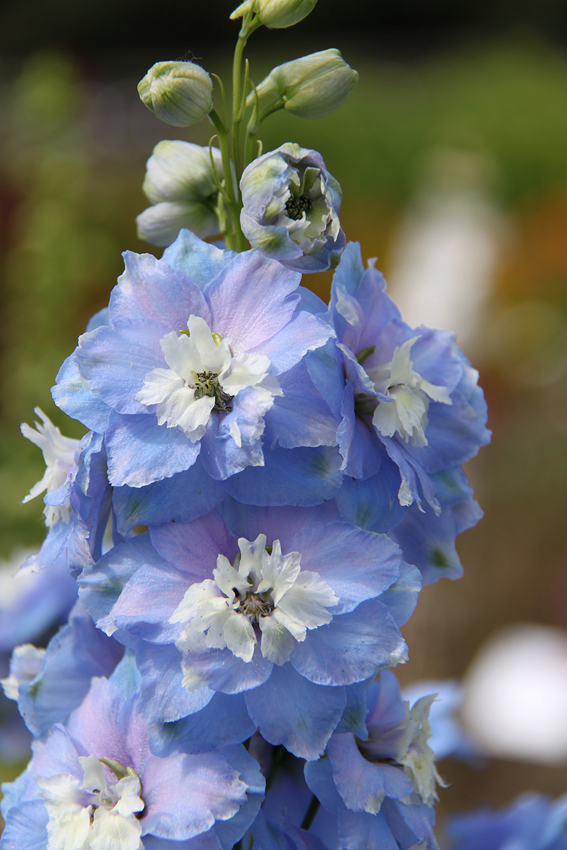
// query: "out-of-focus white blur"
[[515, 695], [446, 252]]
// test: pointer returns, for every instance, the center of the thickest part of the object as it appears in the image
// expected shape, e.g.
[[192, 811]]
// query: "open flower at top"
[[188, 361], [291, 208]]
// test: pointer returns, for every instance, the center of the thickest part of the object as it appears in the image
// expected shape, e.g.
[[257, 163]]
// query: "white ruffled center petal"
[[59, 455], [404, 410], [202, 377], [265, 596], [93, 814]]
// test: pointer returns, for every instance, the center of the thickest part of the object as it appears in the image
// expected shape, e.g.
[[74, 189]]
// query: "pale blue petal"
[[351, 647], [164, 699], [141, 452], [290, 710], [115, 362], [199, 260], [70, 394], [223, 721], [357, 564]]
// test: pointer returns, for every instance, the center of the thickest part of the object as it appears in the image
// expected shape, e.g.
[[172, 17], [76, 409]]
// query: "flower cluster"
[[265, 485]]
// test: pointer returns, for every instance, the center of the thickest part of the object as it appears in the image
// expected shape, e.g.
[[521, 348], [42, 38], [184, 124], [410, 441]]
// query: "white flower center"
[[203, 377], [59, 455], [265, 593], [406, 413], [94, 814]]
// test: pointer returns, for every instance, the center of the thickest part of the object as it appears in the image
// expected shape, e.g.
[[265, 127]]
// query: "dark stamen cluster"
[[254, 607], [296, 206], [207, 384]]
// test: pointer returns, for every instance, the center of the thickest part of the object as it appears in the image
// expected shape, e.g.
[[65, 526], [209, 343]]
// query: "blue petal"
[[290, 710], [70, 394], [115, 362], [302, 476], [351, 647], [164, 699], [223, 721], [373, 503], [199, 260], [183, 497], [74, 655], [141, 452], [301, 417]]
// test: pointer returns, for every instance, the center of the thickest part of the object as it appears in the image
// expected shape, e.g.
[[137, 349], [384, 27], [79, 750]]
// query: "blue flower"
[[287, 606], [291, 209], [381, 787], [187, 367], [409, 395], [95, 778]]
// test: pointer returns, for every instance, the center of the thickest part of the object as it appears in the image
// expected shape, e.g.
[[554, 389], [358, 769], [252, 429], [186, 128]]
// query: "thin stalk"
[[249, 24], [310, 813], [233, 205]]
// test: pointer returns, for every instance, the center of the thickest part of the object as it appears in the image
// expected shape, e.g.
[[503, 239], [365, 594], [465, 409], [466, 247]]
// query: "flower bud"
[[180, 93], [180, 184], [312, 86], [276, 14], [291, 209]]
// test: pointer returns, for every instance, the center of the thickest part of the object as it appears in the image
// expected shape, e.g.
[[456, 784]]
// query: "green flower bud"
[[180, 93], [276, 14], [312, 86]]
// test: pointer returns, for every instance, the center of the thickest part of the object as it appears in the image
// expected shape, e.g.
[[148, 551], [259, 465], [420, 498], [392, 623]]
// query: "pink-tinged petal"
[[302, 333], [251, 300], [185, 794], [150, 289], [193, 547]]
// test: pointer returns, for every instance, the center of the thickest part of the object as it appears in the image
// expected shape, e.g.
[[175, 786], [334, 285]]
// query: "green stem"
[[310, 813], [234, 206], [249, 24]]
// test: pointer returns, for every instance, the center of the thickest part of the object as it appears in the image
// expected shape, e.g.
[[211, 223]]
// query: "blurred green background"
[[459, 107]]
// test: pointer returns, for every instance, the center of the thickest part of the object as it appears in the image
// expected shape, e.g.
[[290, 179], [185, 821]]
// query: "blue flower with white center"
[[271, 614], [381, 786], [94, 783], [409, 396], [291, 209], [183, 373]]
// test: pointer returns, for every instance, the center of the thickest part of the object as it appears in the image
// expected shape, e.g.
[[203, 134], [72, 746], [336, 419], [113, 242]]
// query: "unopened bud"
[[180, 183], [180, 93], [312, 86], [276, 14]]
